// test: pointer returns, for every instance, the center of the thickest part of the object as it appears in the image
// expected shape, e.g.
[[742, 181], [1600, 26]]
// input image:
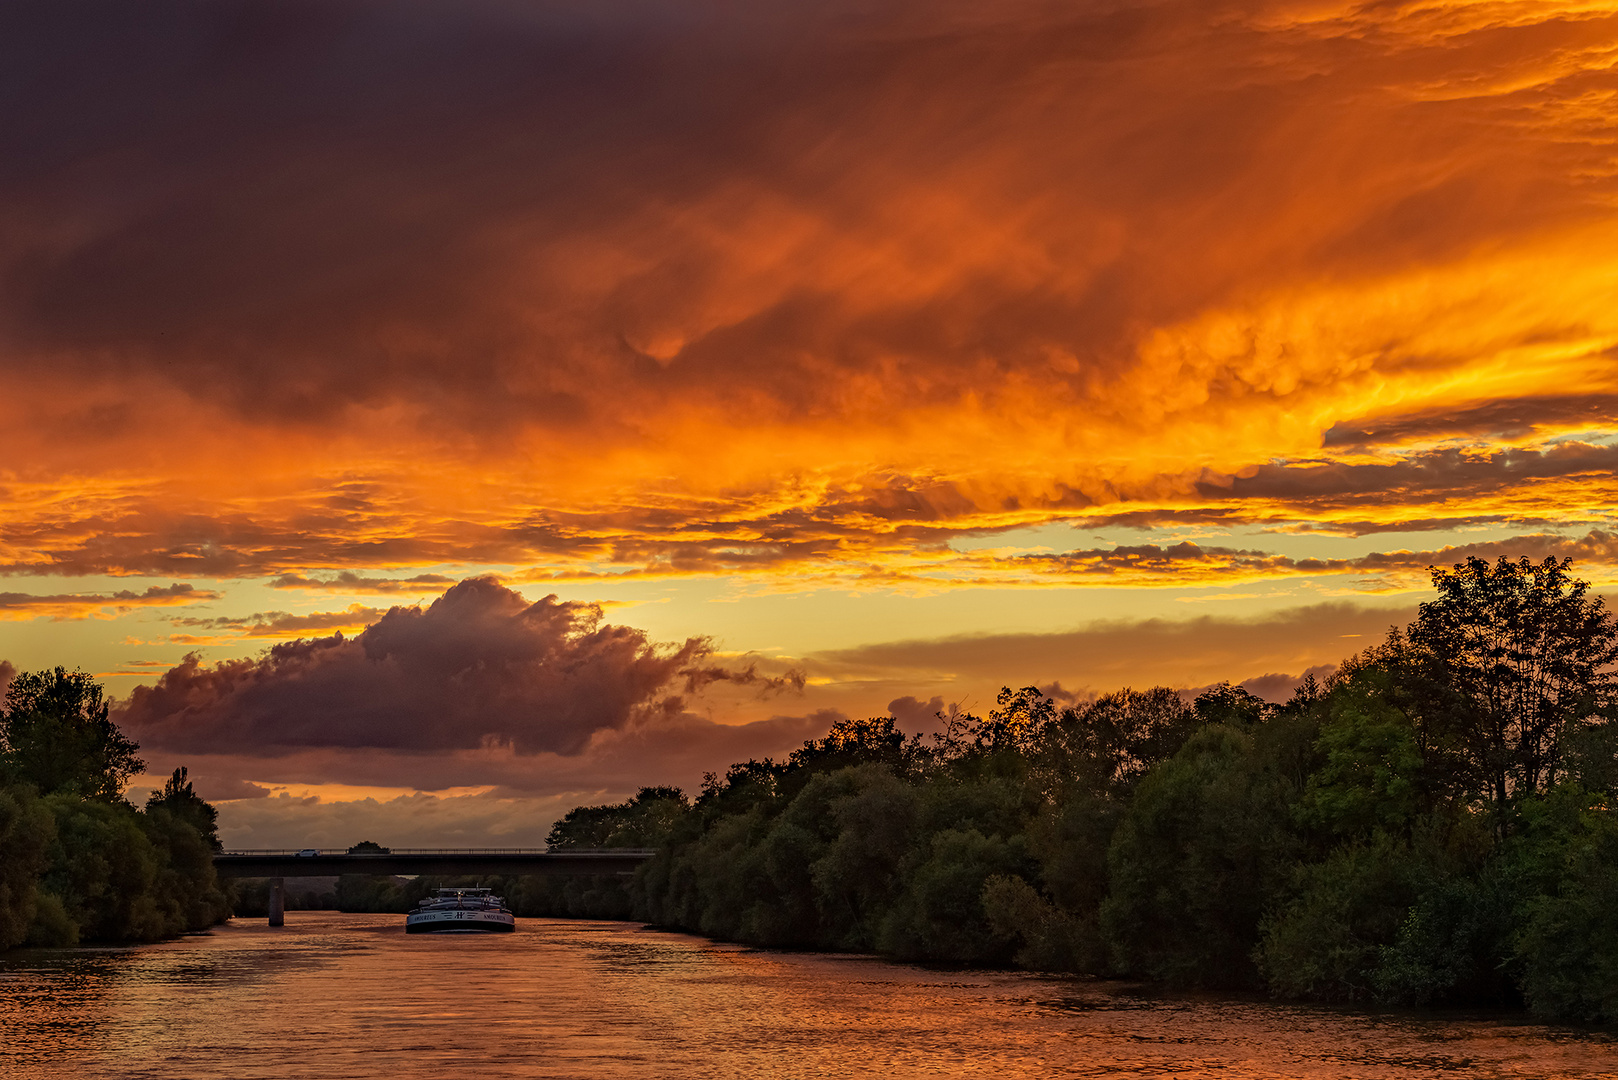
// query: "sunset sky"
[[637, 386]]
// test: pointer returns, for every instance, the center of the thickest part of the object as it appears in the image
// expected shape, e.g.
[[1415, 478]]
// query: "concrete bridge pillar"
[[278, 902]]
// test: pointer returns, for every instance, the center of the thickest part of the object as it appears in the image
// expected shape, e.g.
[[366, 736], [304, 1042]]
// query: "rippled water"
[[334, 996]]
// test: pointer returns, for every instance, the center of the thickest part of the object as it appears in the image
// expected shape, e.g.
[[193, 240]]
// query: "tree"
[[179, 798], [1203, 846], [1019, 723], [55, 736], [26, 832], [646, 820], [1107, 746], [857, 742], [1371, 773], [1233, 705], [1531, 654]]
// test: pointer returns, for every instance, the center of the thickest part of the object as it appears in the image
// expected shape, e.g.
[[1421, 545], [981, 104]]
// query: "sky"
[[426, 416]]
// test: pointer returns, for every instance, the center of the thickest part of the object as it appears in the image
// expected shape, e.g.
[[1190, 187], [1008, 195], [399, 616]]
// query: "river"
[[334, 996]]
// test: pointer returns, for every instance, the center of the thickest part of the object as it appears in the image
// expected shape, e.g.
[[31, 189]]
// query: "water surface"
[[335, 996]]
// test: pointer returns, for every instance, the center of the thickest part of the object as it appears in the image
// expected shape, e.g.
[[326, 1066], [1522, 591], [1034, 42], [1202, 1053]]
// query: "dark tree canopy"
[[1120, 736], [854, 742], [639, 822], [179, 798], [1527, 655], [55, 736], [77, 861]]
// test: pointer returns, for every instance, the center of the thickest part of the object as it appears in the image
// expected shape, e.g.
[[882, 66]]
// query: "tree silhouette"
[[55, 736], [1530, 654]]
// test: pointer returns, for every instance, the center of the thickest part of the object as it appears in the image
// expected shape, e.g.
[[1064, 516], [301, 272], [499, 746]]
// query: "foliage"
[[26, 832], [77, 861], [940, 915], [1107, 746], [1325, 940], [1047, 936], [1566, 947], [180, 799], [1408, 919], [1371, 773], [119, 875], [1202, 846], [1532, 655], [643, 821], [55, 737], [250, 897]]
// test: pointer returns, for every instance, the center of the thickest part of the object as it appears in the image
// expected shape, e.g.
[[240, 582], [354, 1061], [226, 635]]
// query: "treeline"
[[78, 862], [1434, 824]]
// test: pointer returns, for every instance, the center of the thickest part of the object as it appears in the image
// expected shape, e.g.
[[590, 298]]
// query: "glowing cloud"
[[937, 270]]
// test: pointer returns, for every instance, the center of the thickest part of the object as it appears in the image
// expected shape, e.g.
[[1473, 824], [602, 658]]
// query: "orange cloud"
[[935, 271]]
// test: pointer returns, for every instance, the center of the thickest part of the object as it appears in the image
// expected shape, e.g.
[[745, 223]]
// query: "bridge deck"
[[287, 863]]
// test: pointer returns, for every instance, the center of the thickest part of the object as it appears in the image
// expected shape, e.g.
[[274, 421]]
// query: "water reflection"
[[351, 996]]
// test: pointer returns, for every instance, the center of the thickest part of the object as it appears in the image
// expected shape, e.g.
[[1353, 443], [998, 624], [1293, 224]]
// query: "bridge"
[[277, 864]]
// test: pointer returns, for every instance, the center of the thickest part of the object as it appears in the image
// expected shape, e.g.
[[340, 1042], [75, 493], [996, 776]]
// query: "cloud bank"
[[793, 288]]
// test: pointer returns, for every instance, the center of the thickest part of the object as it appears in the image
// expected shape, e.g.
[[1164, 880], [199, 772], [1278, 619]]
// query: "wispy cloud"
[[349, 582], [14, 605], [281, 624]]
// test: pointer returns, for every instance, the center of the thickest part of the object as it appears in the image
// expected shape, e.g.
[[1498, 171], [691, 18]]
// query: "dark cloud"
[[1277, 687], [1105, 656], [1063, 696], [674, 749], [915, 715], [803, 284], [699, 677], [350, 582], [1417, 480], [285, 624], [444, 193], [1509, 418], [1183, 561], [227, 789], [480, 667], [1152, 559], [80, 605]]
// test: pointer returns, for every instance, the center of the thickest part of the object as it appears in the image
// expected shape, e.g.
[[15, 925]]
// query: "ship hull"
[[460, 922]]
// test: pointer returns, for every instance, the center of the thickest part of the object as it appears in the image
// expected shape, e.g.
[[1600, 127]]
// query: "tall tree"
[[1530, 653], [55, 736], [179, 798]]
